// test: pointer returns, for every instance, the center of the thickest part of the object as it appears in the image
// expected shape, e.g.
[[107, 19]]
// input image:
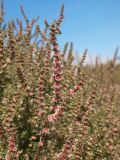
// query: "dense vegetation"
[[50, 108]]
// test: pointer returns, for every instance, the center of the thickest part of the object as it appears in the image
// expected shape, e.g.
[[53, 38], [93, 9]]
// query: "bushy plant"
[[50, 108]]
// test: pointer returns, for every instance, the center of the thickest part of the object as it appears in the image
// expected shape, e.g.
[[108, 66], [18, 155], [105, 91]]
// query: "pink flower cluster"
[[77, 87], [57, 73], [44, 130], [65, 152], [58, 111], [40, 144], [11, 146]]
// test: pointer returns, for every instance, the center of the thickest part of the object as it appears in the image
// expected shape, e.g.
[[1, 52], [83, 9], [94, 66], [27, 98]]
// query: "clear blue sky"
[[92, 24]]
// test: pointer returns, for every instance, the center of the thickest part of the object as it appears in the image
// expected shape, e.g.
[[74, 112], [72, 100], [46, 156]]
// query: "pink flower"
[[56, 54], [52, 118], [11, 141], [1, 49], [61, 17], [56, 47], [54, 100], [58, 65], [58, 112], [40, 144], [56, 61], [45, 130], [71, 91], [58, 78], [56, 108], [57, 85], [7, 157], [30, 94], [57, 70]]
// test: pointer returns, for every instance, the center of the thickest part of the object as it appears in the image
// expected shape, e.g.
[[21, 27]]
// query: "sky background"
[[92, 24]]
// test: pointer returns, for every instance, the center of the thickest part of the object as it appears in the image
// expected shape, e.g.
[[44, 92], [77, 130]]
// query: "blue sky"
[[92, 24]]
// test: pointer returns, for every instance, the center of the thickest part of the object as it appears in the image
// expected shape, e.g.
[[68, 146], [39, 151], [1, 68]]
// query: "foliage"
[[50, 108]]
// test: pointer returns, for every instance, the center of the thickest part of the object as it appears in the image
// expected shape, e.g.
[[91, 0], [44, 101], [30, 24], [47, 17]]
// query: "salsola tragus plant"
[[50, 108]]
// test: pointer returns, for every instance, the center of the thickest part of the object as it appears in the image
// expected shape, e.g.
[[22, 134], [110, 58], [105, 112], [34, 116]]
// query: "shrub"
[[51, 109]]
